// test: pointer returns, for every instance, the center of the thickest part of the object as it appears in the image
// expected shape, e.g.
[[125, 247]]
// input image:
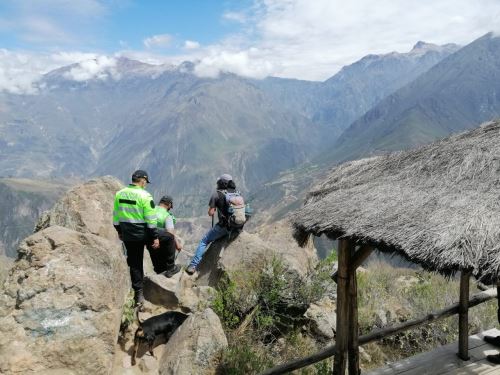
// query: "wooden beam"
[[381, 333], [342, 334], [357, 259], [353, 344], [463, 316]]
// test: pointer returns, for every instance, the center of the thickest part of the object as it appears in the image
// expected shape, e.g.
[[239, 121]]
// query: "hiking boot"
[[494, 358], [171, 272], [191, 270], [139, 297], [493, 340]]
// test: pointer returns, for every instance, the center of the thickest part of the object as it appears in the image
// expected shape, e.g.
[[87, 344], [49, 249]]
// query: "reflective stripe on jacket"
[[134, 214]]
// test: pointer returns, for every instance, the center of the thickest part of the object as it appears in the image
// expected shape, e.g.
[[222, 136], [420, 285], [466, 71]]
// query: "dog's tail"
[[137, 309]]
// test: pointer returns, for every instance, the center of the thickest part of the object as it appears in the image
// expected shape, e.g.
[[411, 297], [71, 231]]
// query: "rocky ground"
[[63, 299]]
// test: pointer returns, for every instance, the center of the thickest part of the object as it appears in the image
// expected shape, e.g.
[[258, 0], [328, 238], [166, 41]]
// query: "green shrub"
[[128, 313], [225, 304]]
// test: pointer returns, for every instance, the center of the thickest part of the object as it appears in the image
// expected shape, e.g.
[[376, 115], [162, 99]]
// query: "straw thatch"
[[438, 206]]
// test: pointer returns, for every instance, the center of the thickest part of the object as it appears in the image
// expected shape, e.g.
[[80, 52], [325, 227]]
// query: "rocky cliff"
[[62, 301]]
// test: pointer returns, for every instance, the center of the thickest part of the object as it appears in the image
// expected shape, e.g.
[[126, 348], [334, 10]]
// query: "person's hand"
[[156, 243]]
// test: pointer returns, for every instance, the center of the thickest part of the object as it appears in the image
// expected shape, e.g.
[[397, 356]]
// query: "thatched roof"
[[438, 206]]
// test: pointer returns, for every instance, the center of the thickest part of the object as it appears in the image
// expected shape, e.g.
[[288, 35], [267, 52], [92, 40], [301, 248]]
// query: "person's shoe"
[[493, 340], [191, 270], [171, 272], [494, 358], [139, 297]]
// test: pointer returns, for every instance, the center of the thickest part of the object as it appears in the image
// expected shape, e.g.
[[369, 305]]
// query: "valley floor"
[[443, 360]]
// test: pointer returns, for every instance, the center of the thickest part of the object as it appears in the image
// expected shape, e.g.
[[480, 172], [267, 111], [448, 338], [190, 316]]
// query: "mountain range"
[[184, 129], [458, 93]]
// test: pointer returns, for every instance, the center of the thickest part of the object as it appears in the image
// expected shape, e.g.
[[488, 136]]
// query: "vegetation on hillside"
[[262, 313]]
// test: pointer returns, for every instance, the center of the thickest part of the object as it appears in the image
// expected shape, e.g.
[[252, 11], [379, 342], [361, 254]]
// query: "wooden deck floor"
[[443, 360]]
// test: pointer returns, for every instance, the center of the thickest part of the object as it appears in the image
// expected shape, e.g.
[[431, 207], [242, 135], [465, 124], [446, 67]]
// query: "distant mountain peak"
[[423, 45], [421, 48]]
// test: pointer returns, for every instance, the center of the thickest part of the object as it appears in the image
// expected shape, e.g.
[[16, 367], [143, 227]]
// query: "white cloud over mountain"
[[100, 67], [287, 38]]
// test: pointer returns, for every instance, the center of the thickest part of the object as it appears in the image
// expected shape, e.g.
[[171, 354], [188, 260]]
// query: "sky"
[[303, 39]]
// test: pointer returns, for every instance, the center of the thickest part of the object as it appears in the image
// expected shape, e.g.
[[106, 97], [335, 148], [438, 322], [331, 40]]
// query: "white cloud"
[[20, 72], [314, 39], [191, 44], [101, 67], [244, 63], [240, 17], [160, 40]]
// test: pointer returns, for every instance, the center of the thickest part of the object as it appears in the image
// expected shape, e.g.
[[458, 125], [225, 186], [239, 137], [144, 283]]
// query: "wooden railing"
[[457, 308]]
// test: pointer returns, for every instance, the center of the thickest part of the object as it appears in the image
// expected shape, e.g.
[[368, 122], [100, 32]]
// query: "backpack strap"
[[226, 204]]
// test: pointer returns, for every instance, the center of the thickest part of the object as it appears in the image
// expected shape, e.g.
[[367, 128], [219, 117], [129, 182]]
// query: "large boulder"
[[86, 208], [177, 292], [323, 317], [195, 347], [233, 254], [61, 306], [279, 237]]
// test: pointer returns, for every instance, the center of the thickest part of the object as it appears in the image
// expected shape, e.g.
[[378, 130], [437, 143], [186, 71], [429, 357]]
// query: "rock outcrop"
[[62, 303], [195, 346], [279, 237], [177, 292], [232, 254], [61, 306], [86, 208], [323, 317]]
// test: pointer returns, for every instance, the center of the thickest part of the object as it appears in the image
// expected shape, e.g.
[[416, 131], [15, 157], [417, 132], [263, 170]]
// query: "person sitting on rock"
[[164, 258], [220, 230]]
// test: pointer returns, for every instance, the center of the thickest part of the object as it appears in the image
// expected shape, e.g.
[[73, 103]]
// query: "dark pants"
[[135, 256], [163, 258]]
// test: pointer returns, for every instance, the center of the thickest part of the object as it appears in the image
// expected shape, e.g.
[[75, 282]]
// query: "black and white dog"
[[149, 329]]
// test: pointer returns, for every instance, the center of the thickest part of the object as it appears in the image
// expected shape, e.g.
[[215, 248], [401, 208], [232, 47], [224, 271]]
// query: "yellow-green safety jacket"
[[134, 215], [161, 217]]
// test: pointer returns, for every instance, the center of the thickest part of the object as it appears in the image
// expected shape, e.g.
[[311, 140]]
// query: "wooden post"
[[342, 337], [357, 259], [463, 316], [353, 344]]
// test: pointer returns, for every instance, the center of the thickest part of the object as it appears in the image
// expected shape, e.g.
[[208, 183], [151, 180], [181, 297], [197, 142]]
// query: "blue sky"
[[304, 39], [108, 26]]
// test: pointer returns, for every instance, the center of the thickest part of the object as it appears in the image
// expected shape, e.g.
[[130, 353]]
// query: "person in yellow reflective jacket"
[[164, 258], [134, 218]]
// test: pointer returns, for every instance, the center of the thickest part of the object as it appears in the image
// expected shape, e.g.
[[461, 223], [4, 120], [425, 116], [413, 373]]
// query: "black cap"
[[167, 199], [140, 174]]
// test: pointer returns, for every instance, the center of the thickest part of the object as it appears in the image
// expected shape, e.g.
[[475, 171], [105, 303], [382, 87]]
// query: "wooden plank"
[[443, 360], [342, 334], [353, 343], [482, 367], [463, 316]]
